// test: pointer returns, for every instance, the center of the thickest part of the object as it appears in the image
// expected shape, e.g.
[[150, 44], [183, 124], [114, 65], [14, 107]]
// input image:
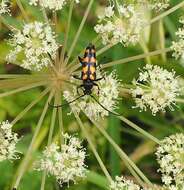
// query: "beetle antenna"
[[58, 106], [104, 107]]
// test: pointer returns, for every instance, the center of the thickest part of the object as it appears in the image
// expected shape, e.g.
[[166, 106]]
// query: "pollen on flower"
[[108, 94], [155, 88], [121, 183], [123, 25], [8, 141], [66, 164], [4, 8], [178, 46], [51, 4], [170, 156], [36, 44]]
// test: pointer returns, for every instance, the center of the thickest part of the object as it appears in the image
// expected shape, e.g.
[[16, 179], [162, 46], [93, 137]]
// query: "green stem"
[[105, 48], [30, 148], [60, 117], [93, 148], [122, 154], [44, 13], [51, 131], [179, 100], [24, 88], [6, 24], [166, 13], [67, 33], [22, 10], [136, 127], [21, 114], [137, 57], [145, 50], [14, 76], [79, 31]]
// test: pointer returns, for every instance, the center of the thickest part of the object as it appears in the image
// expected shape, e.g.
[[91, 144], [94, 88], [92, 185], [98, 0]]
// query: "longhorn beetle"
[[88, 76]]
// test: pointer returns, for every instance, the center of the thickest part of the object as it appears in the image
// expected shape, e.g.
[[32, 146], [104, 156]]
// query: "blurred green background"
[[140, 149]]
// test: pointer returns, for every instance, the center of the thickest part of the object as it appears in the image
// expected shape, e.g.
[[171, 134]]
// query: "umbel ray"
[[88, 77]]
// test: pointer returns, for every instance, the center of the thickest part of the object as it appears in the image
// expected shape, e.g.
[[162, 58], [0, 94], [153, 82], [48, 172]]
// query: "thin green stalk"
[[121, 153], [93, 148], [179, 100], [6, 24], [166, 13], [30, 148], [14, 76], [145, 50], [132, 171], [41, 136], [79, 31], [22, 10], [60, 117], [51, 131], [105, 48], [44, 13], [24, 88], [137, 57], [67, 32], [21, 81], [33, 103], [137, 128]]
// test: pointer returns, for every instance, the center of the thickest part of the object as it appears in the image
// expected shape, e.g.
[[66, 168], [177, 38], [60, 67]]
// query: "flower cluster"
[[66, 164], [124, 26], [8, 141], [157, 5], [155, 88], [121, 183], [4, 8], [107, 96], [51, 4], [170, 156], [36, 44], [178, 47]]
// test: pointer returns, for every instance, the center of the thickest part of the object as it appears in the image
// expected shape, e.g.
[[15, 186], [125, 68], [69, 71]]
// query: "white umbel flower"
[[122, 26], [51, 4], [4, 8], [178, 47], [157, 5], [66, 164], [170, 156], [8, 141], [121, 183], [108, 94], [155, 88], [36, 43]]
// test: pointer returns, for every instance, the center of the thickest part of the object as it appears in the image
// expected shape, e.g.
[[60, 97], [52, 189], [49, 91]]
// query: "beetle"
[[88, 76]]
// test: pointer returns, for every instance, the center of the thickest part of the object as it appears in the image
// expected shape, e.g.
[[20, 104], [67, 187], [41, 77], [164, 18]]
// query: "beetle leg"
[[76, 77], [100, 78]]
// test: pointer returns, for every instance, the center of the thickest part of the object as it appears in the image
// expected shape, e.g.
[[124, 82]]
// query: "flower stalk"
[[30, 148]]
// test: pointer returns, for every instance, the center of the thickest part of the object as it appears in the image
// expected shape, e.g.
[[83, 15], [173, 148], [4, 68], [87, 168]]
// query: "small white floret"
[[65, 163], [156, 89], [8, 141]]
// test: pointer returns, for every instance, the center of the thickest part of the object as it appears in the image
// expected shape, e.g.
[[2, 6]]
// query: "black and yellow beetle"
[[88, 76]]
